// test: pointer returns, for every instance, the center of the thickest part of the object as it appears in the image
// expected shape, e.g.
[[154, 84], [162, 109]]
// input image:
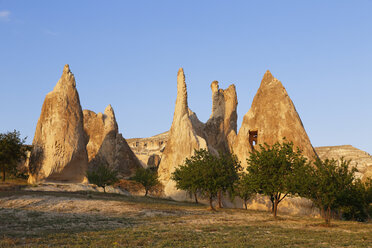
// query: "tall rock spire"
[[271, 118], [182, 141], [59, 145]]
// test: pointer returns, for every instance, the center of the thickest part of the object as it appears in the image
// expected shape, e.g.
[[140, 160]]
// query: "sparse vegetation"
[[149, 222]]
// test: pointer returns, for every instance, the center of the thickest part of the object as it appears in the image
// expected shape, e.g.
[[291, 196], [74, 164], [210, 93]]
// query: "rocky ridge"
[[359, 159]]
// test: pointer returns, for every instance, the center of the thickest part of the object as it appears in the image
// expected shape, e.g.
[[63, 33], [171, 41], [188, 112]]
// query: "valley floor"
[[81, 219]]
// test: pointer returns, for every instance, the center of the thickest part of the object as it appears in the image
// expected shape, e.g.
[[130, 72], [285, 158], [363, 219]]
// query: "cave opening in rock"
[[253, 137]]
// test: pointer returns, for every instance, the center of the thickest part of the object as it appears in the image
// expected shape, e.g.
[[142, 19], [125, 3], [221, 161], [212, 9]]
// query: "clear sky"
[[127, 54]]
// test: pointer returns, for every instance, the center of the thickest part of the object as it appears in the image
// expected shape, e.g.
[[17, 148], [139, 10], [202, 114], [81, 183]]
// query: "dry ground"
[[45, 219]]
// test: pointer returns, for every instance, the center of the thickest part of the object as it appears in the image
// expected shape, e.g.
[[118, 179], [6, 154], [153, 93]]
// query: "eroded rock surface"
[[59, 145], [181, 142], [146, 148], [360, 159], [106, 145], [271, 117], [222, 125]]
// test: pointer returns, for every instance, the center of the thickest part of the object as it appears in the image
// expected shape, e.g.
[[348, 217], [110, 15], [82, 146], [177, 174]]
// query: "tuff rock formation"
[[359, 159], [221, 127], [182, 140], [146, 149], [106, 145], [271, 117], [188, 133], [59, 145]]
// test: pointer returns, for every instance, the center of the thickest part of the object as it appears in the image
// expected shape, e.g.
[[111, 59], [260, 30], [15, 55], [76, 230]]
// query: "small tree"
[[102, 176], [187, 177], [328, 184], [12, 151], [270, 168], [147, 177], [207, 174], [244, 188], [228, 166]]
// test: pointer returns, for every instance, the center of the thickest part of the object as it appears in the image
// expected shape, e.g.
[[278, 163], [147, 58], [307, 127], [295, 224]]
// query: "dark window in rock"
[[253, 138], [145, 145]]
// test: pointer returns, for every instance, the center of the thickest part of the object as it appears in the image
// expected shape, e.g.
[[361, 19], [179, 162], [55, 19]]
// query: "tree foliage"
[[147, 177], [207, 174], [332, 186], [244, 188], [270, 169], [12, 151], [102, 176]]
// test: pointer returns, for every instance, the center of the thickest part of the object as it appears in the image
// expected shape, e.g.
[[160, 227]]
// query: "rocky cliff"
[[106, 145], [59, 145], [271, 117], [360, 159]]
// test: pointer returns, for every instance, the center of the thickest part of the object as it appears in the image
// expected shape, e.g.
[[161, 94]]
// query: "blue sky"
[[127, 53]]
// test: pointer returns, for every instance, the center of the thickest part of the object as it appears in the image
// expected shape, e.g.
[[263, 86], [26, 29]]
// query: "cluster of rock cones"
[[68, 141]]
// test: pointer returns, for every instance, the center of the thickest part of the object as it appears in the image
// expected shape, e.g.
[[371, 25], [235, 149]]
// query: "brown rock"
[[144, 148], [221, 127], [271, 117], [106, 145], [59, 143], [182, 140], [359, 159]]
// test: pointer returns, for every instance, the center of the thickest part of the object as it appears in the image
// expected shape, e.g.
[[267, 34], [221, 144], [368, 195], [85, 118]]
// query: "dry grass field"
[[65, 219]]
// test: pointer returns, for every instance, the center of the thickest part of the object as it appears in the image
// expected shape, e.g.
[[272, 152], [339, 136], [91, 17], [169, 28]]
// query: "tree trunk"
[[104, 189], [272, 203], [220, 199], [196, 198], [3, 173], [147, 191], [245, 204], [276, 201], [211, 203], [328, 216]]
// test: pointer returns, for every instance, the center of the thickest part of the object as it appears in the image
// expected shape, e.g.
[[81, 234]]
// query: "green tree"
[[207, 174], [244, 188], [328, 184], [228, 166], [187, 177], [102, 176], [147, 177], [12, 151], [270, 169]]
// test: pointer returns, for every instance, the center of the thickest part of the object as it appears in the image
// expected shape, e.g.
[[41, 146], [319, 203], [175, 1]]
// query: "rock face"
[[59, 143], [106, 145], [221, 127], [147, 148], [271, 117], [182, 140], [188, 133], [361, 159]]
